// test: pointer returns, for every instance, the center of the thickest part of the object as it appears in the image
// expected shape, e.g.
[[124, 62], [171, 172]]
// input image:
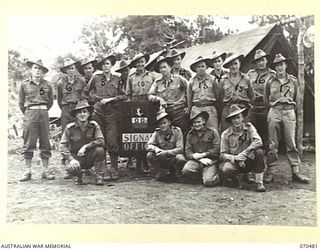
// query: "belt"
[[284, 106], [38, 107], [203, 104], [175, 107], [70, 103]]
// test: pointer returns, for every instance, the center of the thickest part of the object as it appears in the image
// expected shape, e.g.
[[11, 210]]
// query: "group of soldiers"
[[211, 127]]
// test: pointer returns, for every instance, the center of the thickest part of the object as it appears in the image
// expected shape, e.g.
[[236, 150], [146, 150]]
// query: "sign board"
[[136, 126]]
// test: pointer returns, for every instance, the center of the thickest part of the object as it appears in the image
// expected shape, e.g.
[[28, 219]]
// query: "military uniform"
[[68, 95], [258, 110], [34, 101], [282, 99], [203, 96], [184, 73], [205, 141], [74, 138], [139, 85], [240, 93], [174, 93], [171, 141]]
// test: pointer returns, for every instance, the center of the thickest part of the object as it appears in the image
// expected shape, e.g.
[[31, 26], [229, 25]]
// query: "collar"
[[245, 127], [167, 81], [286, 79], [143, 73], [31, 81], [206, 77]]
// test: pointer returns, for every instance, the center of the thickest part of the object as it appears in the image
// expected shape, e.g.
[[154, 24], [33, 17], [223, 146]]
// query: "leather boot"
[[259, 180], [113, 170], [99, 167], [268, 176], [27, 174], [46, 172]]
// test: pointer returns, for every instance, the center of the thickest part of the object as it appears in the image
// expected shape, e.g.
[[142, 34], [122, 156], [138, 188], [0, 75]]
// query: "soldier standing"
[[241, 149], [87, 68], [165, 149], [236, 88], [124, 70], [171, 92], [218, 72], [202, 151], [104, 91], [203, 92], [281, 96], [176, 69], [82, 144], [35, 99]]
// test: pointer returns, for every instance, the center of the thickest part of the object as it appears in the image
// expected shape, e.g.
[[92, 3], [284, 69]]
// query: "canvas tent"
[[271, 39]]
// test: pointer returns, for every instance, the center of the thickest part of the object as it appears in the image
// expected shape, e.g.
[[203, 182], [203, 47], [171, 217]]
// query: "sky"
[[47, 37]]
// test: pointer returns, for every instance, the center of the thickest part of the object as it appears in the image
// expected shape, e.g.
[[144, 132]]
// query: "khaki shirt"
[[206, 141], [99, 88], [171, 141], [173, 92], [73, 138], [139, 84], [184, 73], [32, 94], [258, 82], [219, 77], [203, 90], [69, 92], [277, 93], [240, 92], [245, 142]]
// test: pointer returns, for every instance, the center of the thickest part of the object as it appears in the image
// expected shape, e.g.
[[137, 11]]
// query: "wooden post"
[[301, 81]]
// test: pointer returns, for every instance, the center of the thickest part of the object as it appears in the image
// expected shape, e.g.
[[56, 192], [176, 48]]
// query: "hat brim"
[[93, 62], [63, 69], [112, 59], [206, 60], [203, 114], [181, 54], [161, 118], [134, 61], [222, 55], [157, 64], [73, 112], [30, 63], [243, 111], [122, 68], [227, 64], [287, 60], [255, 60]]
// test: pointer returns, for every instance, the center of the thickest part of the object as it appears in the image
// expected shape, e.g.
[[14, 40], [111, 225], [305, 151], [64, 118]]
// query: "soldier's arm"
[[122, 95], [222, 90], [64, 145], [151, 144], [256, 141], [22, 99], [128, 91], [179, 144], [251, 92], [59, 94], [189, 95], [214, 152], [98, 138], [50, 96], [224, 149], [266, 94], [296, 92], [152, 93], [188, 149]]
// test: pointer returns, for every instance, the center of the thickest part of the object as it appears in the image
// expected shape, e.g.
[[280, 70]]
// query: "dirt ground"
[[140, 199]]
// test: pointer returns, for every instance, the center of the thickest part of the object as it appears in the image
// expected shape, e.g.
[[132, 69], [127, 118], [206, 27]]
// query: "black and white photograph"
[[161, 119]]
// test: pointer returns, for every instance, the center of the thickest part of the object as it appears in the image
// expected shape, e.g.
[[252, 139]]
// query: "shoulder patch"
[[71, 124]]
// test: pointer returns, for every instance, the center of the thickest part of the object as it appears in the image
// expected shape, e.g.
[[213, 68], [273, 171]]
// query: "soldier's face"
[[83, 115], [106, 66], [140, 64], [164, 68], [71, 70], [237, 120], [88, 69], [281, 68], [177, 62], [36, 71], [164, 124], [235, 66], [201, 68], [217, 63], [262, 63], [198, 123]]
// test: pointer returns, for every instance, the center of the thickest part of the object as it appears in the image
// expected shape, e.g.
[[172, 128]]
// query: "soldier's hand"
[[206, 161], [242, 164], [159, 152], [74, 165], [169, 153], [240, 157], [82, 151], [197, 156]]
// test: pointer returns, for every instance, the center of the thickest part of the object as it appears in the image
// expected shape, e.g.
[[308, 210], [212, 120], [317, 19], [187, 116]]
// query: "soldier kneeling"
[[241, 149], [202, 151], [165, 149], [82, 144]]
